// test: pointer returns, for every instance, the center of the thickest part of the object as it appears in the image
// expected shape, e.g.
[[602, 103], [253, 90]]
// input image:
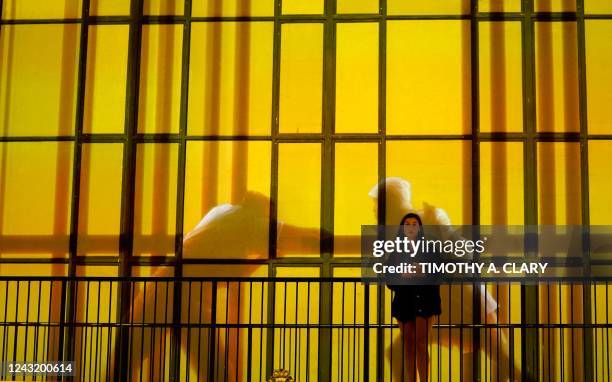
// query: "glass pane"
[[599, 75], [109, 7], [96, 271], [559, 183], [236, 303], [38, 71], [225, 270], [501, 183], [35, 9], [556, 76], [597, 6], [347, 344], [96, 302], [298, 303], [227, 190], [211, 8], [153, 271], [555, 5], [356, 172], [160, 79], [438, 7], [303, 6], [230, 80], [501, 77], [499, 5], [155, 199], [38, 270], [163, 7], [440, 175], [422, 58], [106, 79], [357, 78], [299, 192], [100, 199], [301, 80], [357, 6], [36, 181], [600, 182]]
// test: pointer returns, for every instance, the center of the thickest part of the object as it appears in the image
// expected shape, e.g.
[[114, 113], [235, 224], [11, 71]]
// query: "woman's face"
[[411, 228]]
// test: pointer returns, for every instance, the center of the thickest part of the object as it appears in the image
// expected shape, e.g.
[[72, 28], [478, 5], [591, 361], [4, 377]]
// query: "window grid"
[[130, 138]]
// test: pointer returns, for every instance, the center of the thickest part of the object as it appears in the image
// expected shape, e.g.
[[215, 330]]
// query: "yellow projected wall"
[[123, 129]]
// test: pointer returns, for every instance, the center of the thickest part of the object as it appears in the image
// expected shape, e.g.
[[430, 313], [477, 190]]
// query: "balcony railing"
[[340, 329]]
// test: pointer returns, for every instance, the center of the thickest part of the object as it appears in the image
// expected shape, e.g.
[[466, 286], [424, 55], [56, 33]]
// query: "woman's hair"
[[418, 219]]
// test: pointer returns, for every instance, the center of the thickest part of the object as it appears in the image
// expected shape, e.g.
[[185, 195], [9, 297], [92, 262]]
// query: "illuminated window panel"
[[500, 77], [160, 79], [152, 271], [163, 7], [347, 309], [299, 190], [35, 270], [439, 173], [440, 7], [355, 174], [556, 362], [499, 5], [600, 182], [34, 9], [359, 6], [302, 6], [559, 191], [501, 183], [301, 78], [100, 199], [212, 8], [109, 7], [357, 78], [598, 75], [29, 301], [155, 199], [297, 303], [556, 77], [555, 5], [91, 306], [96, 303], [153, 300], [601, 311], [38, 71], [226, 174], [152, 304], [105, 95], [244, 303], [33, 302], [230, 78], [436, 56], [597, 6], [36, 179]]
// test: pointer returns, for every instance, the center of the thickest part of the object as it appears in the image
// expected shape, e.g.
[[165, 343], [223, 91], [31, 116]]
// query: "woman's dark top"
[[410, 301]]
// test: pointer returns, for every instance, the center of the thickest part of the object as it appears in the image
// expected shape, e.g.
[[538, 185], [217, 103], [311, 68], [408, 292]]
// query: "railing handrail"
[[373, 280]]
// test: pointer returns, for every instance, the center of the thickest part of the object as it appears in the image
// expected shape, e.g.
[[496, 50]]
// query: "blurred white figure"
[[398, 195], [241, 231], [227, 231]]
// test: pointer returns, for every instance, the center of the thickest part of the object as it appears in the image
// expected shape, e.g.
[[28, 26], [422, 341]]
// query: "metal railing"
[[340, 329]]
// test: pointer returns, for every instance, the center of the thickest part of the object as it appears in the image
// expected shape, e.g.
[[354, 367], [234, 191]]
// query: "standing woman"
[[414, 307]]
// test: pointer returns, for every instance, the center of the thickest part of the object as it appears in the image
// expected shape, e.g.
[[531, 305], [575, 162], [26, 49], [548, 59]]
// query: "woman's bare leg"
[[423, 328], [408, 330]]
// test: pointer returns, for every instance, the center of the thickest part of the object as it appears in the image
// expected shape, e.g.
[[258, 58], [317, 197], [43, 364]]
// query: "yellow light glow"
[[428, 77]]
